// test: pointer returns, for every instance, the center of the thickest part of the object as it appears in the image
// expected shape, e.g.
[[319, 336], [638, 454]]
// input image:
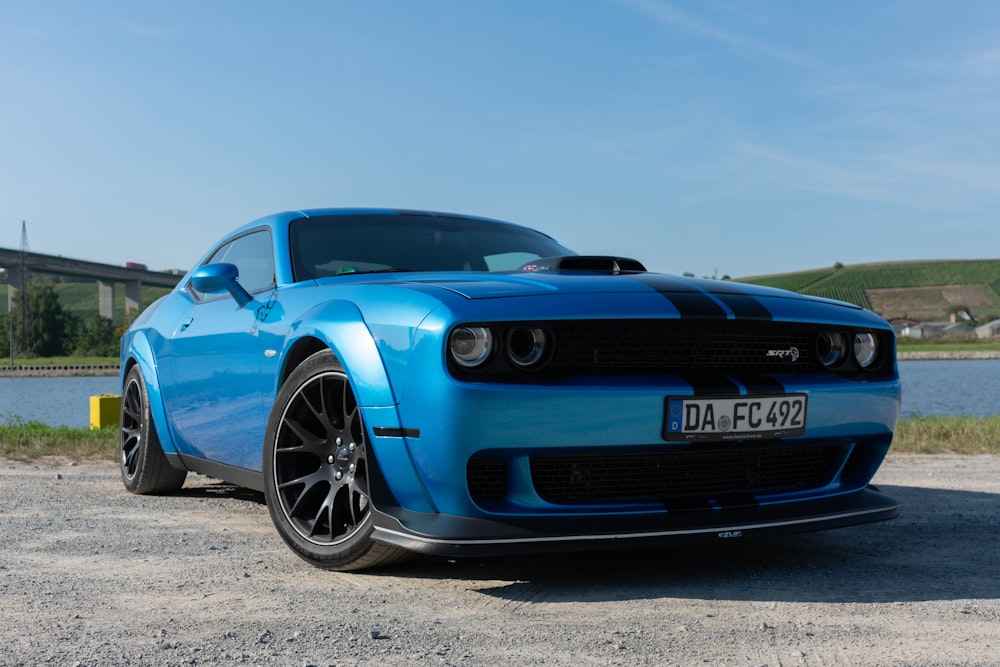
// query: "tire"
[[315, 470], [144, 467]]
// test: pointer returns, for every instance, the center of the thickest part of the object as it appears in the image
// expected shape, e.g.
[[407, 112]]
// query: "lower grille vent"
[[487, 479], [708, 473]]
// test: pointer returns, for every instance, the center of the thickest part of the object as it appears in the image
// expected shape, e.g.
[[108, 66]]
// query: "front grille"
[[704, 473], [677, 347], [689, 348]]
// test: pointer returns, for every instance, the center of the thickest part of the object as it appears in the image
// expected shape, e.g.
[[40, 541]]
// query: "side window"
[[253, 256]]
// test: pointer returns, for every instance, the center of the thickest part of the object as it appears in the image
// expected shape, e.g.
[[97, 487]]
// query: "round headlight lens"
[[470, 346], [831, 348], [526, 347], [865, 349]]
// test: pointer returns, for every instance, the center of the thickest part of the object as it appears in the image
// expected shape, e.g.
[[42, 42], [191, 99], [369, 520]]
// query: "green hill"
[[923, 290], [919, 290], [82, 298]]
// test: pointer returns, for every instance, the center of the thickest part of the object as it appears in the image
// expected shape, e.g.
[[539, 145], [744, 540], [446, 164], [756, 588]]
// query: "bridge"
[[107, 277]]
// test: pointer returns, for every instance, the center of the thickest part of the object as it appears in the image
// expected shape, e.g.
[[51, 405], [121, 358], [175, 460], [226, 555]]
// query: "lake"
[[930, 388], [969, 388], [62, 401]]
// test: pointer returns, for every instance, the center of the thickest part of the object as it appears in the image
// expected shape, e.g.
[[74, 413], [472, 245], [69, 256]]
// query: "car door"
[[214, 397]]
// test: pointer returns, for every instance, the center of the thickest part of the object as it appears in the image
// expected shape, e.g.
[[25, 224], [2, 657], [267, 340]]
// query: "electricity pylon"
[[26, 342]]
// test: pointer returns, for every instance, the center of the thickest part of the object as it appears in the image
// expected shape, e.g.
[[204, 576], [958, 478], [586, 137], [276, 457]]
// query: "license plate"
[[735, 417]]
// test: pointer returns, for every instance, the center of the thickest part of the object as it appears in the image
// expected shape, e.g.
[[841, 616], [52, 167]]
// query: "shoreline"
[[947, 355], [60, 370], [111, 370]]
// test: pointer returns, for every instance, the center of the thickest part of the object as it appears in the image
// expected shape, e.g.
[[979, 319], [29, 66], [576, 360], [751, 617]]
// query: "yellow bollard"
[[104, 410]]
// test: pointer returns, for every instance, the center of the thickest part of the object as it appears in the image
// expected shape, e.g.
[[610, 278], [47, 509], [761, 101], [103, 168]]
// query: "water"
[[930, 388], [63, 401], [951, 388]]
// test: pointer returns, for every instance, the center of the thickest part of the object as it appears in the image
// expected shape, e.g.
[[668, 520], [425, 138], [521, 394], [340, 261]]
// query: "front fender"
[[342, 328], [138, 349]]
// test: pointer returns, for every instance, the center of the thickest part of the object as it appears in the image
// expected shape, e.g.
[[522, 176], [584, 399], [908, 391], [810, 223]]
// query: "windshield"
[[343, 244]]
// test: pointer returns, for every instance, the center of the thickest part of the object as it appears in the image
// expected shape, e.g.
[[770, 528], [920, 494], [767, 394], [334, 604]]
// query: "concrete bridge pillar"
[[133, 296], [106, 299]]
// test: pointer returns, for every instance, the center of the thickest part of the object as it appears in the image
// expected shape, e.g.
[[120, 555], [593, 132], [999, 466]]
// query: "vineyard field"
[[921, 290]]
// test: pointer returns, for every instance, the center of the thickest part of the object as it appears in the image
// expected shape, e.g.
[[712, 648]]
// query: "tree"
[[41, 331], [96, 337]]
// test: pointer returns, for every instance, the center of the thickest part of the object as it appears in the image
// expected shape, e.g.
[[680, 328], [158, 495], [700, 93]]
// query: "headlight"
[[831, 348], [526, 347], [470, 346], [865, 349]]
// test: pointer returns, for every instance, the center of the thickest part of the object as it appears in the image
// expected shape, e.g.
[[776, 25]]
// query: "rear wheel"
[[144, 467], [316, 470]]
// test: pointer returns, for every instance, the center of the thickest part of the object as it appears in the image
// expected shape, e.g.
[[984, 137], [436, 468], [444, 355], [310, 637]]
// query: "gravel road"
[[90, 575]]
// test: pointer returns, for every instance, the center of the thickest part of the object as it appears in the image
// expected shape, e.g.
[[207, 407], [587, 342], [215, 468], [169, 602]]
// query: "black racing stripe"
[[745, 307], [695, 305], [713, 385], [688, 301], [761, 385]]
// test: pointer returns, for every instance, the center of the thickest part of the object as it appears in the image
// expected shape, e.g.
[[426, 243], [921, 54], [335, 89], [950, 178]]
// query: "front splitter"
[[453, 536]]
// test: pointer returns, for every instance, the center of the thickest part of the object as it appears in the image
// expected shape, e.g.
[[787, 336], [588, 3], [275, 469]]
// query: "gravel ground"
[[91, 575]]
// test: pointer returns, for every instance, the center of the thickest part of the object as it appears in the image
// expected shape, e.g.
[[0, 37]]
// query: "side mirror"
[[218, 277]]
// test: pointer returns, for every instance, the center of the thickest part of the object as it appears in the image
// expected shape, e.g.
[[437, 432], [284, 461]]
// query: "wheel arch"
[[140, 353], [340, 327]]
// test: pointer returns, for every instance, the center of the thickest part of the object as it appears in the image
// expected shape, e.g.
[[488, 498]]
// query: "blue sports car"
[[406, 381]]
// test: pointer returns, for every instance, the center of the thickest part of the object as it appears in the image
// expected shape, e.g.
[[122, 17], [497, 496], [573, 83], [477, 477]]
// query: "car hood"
[[524, 284], [574, 294]]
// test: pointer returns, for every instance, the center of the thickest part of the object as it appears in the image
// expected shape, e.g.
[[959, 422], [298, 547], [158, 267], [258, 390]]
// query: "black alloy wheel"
[[316, 470], [144, 467]]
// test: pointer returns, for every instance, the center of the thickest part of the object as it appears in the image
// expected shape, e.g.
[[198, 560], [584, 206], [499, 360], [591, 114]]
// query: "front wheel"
[[316, 470], [144, 467]]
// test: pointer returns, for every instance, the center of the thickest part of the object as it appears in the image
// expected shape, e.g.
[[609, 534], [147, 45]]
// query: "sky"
[[713, 137]]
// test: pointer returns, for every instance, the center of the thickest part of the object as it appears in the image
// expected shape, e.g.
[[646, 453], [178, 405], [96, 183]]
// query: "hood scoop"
[[594, 263]]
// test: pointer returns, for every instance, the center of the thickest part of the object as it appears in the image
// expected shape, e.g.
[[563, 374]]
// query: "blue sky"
[[731, 138]]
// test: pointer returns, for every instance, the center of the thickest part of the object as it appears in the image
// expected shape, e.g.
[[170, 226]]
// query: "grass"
[[60, 361], [911, 345], [29, 441], [947, 435]]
